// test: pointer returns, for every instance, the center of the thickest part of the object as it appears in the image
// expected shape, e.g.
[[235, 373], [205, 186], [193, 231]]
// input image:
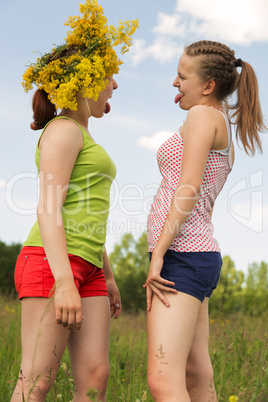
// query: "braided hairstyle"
[[218, 62]]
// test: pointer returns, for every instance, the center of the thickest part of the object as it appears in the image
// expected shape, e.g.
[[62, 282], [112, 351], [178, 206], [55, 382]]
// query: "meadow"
[[238, 347]]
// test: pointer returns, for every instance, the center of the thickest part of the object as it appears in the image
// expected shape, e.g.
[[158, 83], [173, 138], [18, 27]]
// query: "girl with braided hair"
[[185, 257]]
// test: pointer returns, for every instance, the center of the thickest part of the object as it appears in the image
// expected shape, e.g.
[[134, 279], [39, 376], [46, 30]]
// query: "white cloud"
[[155, 140], [240, 22], [235, 21], [163, 49], [170, 25]]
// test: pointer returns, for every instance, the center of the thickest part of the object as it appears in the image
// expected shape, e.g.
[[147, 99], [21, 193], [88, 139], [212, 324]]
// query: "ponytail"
[[247, 114], [43, 110], [218, 62]]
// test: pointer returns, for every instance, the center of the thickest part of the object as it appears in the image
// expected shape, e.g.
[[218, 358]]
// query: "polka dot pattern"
[[197, 232]]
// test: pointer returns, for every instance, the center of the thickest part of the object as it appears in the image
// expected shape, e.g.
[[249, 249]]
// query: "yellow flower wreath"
[[84, 61]]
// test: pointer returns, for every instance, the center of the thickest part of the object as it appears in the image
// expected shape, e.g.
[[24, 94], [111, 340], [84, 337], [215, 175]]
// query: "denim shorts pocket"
[[19, 269], [207, 266]]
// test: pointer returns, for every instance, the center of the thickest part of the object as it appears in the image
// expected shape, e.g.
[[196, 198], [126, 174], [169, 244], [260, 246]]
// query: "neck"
[[80, 116], [214, 103]]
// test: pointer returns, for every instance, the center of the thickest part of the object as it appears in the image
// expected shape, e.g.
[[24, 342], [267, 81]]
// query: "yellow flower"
[[232, 398], [91, 58], [9, 310]]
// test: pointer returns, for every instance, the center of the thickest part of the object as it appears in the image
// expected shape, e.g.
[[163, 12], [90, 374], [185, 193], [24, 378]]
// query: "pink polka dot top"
[[197, 232]]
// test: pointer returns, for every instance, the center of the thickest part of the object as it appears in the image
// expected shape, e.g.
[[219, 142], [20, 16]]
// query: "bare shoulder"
[[64, 133], [204, 120], [201, 119], [203, 112]]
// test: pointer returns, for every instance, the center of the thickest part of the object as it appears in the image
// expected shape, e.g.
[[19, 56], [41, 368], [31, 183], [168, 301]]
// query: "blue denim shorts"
[[194, 273]]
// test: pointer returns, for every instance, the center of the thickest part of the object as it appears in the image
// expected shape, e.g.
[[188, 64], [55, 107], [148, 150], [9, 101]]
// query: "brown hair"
[[43, 110], [218, 62]]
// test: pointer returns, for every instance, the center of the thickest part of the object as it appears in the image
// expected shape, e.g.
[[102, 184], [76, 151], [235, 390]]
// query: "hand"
[[114, 297], [68, 306], [156, 284]]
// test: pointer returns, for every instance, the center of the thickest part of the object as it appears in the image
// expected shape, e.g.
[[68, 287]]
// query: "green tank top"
[[86, 208]]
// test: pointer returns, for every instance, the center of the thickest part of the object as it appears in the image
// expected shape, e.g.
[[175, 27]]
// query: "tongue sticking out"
[[107, 108], [178, 98]]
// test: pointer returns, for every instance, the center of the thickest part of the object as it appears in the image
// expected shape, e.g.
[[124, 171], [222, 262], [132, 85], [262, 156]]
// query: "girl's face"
[[101, 106], [191, 87]]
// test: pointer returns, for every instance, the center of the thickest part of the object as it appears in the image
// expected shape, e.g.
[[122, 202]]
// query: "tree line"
[[236, 290]]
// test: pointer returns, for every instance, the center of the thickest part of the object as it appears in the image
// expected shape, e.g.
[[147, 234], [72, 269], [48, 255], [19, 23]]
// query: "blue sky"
[[143, 112]]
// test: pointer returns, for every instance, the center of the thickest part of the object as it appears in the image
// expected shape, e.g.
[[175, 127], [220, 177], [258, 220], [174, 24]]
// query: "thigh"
[[170, 335], [89, 346], [199, 370], [199, 348], [43, 340]]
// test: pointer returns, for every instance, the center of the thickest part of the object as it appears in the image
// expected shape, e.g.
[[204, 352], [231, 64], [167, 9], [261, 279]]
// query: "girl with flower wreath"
[[185, 257], [63, 276]]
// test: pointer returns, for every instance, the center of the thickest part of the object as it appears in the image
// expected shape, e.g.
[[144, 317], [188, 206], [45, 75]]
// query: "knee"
[[199, 374], [100, 375], [95, 377], [153, 384], [155, 387], [35, 389], [159, 386]]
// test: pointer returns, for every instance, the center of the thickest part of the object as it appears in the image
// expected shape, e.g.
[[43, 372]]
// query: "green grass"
[[238, 344]]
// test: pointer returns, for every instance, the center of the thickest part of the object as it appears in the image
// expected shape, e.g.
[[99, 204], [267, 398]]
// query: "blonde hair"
[[218, 63]]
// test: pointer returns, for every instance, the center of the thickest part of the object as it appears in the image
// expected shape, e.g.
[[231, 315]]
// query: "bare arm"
[[59, 145], [199, 135]]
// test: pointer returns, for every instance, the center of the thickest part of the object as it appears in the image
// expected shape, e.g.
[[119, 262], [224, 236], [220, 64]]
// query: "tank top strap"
[[226, 151], [84, 134]]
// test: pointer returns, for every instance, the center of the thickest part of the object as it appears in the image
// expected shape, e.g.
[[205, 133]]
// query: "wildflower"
[[143, 398], [9, 310], [91, 58], [232, 398], [64, 366]]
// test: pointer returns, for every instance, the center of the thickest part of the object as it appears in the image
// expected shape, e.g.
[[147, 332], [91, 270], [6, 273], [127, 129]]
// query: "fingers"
[[78, 319], [161, 284], [160, 295], [116, 307], [68, 307], [149, 296], [69, 318], [157, 286], [114, 297], [64, 318]]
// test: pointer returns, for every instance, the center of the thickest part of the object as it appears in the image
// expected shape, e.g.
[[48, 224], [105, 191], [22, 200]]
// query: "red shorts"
[[33, 276]]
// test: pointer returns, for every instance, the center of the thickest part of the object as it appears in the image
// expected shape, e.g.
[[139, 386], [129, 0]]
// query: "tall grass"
[[239, 353]]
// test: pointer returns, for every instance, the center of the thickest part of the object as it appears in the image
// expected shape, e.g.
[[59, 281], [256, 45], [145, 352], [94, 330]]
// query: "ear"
[[209, 87]]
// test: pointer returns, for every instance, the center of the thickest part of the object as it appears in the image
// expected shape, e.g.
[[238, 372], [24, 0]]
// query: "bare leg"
[[199, 372], [43, 343], [170, 336], [89, 349]]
